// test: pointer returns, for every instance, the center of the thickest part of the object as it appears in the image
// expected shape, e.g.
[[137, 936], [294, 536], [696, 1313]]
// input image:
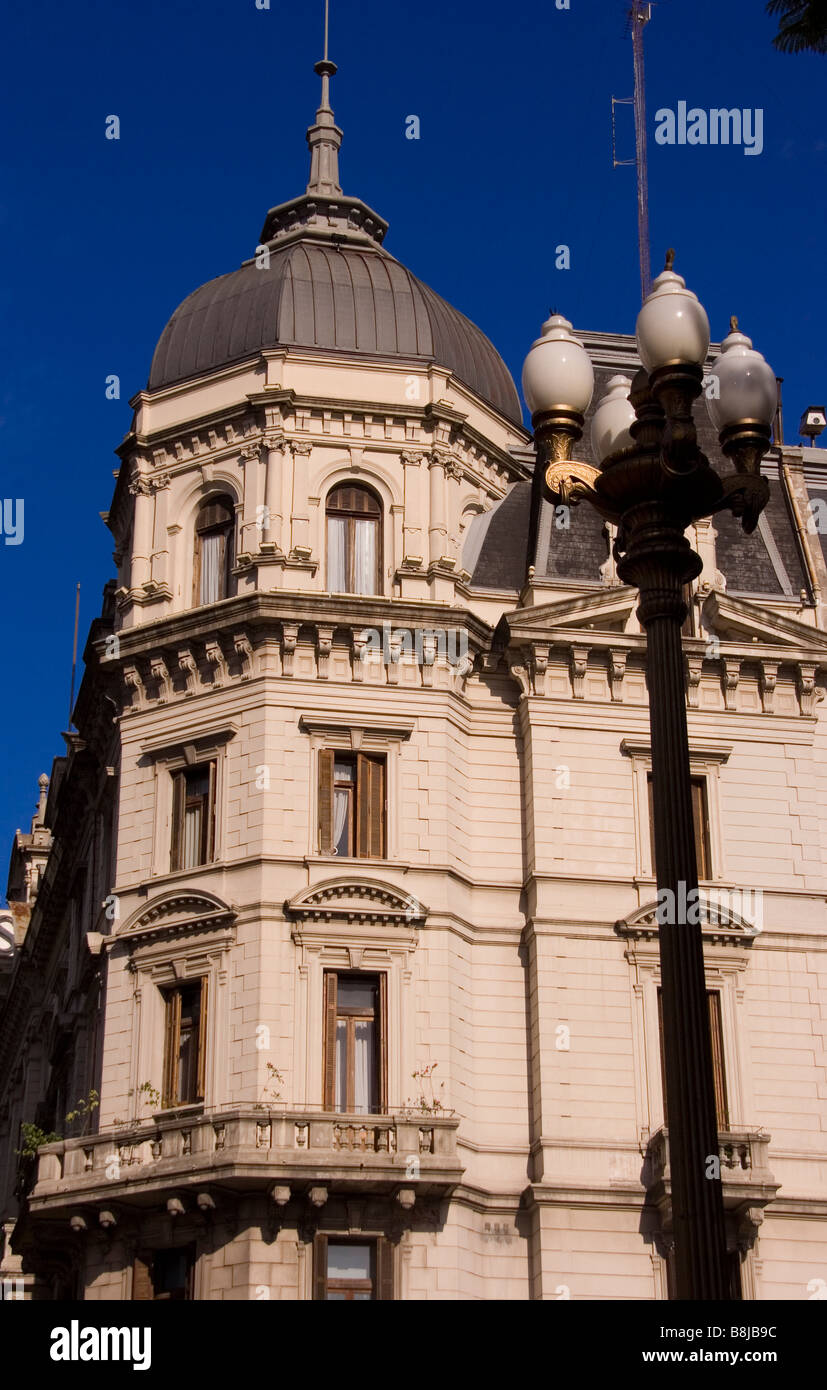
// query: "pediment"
[[742, 620], [731, 916], [356, 900], [175, 913], [604, 610]]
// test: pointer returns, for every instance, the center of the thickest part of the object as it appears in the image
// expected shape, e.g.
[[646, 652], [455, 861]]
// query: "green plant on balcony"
[[82, 1114], [148, 1097], [32, 1138], [270, 1094], [428, 1102]]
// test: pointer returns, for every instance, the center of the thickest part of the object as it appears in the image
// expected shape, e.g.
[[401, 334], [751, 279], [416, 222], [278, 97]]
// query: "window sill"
[[352, 863], [177, 1113], [173, 875]]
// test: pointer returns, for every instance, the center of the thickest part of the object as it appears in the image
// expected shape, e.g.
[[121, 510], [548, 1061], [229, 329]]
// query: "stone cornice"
[[259, 634]]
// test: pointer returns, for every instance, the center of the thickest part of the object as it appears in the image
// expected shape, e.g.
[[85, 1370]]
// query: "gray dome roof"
[[353, 298]]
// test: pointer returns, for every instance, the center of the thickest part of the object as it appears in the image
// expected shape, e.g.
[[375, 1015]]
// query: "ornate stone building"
[[347, 900]]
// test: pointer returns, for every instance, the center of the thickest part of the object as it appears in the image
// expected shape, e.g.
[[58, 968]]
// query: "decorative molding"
[[766, 684], [806, 686], [730, 676], [720, 923], [174, 914], [617, 672], [694, 671], [203, 740], [356, 901], [699, 751], [579, 661], [324, 644], [398, 731], [290, 637]]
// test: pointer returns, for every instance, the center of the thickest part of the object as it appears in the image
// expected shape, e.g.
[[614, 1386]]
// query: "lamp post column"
[[659, 561]]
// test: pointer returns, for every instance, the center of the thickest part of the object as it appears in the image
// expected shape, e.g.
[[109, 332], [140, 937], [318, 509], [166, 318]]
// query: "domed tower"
[[320, 364]]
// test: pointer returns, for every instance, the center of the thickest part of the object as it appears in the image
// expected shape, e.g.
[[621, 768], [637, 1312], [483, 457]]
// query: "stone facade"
[[520, 1151]]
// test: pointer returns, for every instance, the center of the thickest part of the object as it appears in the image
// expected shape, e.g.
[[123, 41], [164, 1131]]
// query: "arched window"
[[213, 550], [354, 543]]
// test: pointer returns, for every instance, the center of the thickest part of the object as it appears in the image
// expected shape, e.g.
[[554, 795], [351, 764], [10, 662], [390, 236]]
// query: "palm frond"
[[802, 27]]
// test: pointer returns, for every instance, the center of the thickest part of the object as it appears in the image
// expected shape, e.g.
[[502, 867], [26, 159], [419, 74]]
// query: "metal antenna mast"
[[639, 15]]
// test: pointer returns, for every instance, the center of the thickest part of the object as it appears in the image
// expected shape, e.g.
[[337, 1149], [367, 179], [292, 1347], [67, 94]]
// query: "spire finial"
[[324, 138]]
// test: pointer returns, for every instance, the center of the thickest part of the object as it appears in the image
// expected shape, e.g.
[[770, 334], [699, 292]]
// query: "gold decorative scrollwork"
[[570, 480]]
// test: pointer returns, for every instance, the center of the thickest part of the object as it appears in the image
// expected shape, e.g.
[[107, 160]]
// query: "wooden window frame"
[[382, 1265], [332, 1016], [700, 824], [716, 1030], [368, 803], [351, 514], [180, 804], [204, 526], [172, 1042]]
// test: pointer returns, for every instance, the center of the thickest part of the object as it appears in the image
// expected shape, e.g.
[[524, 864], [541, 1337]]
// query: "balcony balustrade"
[[743, 1155], [247, 1149]]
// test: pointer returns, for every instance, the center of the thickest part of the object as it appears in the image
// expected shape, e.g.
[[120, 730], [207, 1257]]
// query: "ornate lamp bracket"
[[571, 481], [556, 433]]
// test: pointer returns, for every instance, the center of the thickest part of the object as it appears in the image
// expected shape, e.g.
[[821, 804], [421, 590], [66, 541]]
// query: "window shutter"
[[716, 1034], [382, 1030], [173, 1033], [179, 793], [362, 805], [202, 1037], [377, 808], [330, 991], [384, 1270], [370, 804], [142, 1286], [326, 756], [700, 825], [320, 1267], [209, 818]]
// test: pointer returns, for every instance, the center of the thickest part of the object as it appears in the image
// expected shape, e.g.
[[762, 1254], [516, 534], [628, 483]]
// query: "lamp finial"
[[733, 324], [670, 258]]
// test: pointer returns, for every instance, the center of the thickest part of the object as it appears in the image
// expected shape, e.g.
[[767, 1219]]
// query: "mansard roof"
[[769, 562]]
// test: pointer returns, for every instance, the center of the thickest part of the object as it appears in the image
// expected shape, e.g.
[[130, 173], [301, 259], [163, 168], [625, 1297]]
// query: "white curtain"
[[336, 567], [364, 1100], [192, 837], [340, 801], [364, 557], [212, 547]]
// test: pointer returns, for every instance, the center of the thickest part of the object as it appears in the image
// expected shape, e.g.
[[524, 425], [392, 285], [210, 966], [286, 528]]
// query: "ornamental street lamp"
[[653, 482]]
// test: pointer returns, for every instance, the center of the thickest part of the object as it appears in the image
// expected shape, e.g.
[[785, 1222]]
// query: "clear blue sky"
[[102, 239]]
